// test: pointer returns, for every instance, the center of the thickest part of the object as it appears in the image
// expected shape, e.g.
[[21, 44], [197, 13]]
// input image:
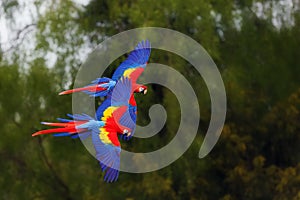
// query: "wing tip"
[[144, 44]]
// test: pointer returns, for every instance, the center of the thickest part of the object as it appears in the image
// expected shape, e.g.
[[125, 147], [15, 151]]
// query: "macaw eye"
[[141, 89], [125, 131]]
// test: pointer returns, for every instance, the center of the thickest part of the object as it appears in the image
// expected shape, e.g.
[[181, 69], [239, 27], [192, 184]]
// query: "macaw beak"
[[145, 91], [128, 134]]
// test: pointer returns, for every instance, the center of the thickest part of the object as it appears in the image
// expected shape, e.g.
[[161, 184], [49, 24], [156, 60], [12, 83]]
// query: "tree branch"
[[56, 177], [18, 37]]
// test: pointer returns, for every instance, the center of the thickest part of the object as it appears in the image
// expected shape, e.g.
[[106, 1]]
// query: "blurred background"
[[256, 46]]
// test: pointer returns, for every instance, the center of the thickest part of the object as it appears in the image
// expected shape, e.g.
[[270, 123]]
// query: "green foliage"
[[257, 156]]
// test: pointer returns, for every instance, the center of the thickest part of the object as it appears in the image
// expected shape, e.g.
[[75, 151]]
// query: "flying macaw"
[[104, 132], [132, 111], [131, 68]]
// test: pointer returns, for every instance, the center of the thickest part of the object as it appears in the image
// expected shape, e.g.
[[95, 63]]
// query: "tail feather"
[[62, 134], [57, 124], [101, 80], [70, 130], [64, 120], [66, 126], [78, 126], [98, 87], [80, 117], [92, 88], [83, 135], [98, 94]]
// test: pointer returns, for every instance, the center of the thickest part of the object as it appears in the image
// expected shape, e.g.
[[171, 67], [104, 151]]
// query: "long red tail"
[[69, 127], [92, 88]]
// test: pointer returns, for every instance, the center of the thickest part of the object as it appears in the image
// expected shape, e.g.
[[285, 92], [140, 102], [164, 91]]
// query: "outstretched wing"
[[107, 153], [121, 93], [136, 60], [106, 143]]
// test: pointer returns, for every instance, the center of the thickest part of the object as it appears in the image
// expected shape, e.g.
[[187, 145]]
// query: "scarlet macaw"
[[104, 132], [129, 120], [131, 68]]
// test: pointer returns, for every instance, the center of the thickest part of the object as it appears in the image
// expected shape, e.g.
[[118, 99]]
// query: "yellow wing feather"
[[103, 133], [108, 113], [128, 72]]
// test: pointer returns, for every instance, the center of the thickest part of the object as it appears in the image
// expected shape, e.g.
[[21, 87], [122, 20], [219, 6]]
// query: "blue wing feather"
[[105, 104], [128, 120], [121, 93], [108, 157], [107, 154], [138, 57]]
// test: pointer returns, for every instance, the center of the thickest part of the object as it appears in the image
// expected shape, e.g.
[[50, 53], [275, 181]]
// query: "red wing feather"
[[136, 74]]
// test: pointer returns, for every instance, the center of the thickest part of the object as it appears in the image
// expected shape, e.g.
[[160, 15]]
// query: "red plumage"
[[68, 127]]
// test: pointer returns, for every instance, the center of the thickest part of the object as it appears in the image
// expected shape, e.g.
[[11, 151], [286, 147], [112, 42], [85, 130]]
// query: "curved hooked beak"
[[145, 91]]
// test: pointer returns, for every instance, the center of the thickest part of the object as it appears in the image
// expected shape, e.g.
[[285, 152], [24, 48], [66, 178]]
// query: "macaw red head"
[[141, 89], [125, 130]]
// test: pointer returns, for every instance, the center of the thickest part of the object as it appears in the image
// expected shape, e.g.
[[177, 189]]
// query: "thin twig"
[[18, 37]]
